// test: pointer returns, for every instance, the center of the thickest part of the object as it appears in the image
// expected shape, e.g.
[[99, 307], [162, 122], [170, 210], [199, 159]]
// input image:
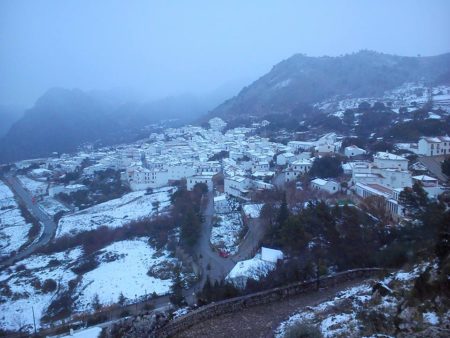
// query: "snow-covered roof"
[[388, 156], [437, 139], [271, 255], [424, 178], [319, 181]]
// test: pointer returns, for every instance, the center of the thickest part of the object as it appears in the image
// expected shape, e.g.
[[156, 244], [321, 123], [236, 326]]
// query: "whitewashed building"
[[434, 146], [389, 195], [386, 160], [237, 186], [353, 150], [285, 158], [328, 186], [271, 255], [193, 180], [430, 185]]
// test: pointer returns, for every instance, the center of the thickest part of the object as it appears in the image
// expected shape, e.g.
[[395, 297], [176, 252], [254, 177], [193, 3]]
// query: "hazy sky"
[[169, 47]]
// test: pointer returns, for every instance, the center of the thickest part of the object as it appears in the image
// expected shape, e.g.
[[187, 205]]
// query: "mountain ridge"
[[301, 80]]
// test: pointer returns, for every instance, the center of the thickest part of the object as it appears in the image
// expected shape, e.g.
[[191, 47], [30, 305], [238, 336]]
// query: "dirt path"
[[261, 321]]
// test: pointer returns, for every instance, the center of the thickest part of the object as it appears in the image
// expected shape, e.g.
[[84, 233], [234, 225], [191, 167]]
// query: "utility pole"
[[34, 320]]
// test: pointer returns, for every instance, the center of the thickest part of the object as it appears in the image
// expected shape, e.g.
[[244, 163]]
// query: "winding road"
[[49, 225], [212, 264]]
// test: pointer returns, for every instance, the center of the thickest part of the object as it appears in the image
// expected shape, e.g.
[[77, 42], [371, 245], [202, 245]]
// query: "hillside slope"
[[303, 80]]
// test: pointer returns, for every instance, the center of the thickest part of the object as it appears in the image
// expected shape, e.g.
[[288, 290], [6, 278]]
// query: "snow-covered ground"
[[225, 234], [343, 316], [254, 268], [13, 228], [51, 206], [36, 188], [252, 210], [92, 332], [114, 213], [406, 95], [126, 274], [122, 268], [21, 292]]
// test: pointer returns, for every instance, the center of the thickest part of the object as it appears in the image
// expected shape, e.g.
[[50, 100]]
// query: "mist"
[[153, 49]]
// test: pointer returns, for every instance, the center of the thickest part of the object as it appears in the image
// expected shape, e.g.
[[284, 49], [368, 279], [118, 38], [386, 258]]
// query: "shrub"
[[86, 265], [49, 286], [302, 330]]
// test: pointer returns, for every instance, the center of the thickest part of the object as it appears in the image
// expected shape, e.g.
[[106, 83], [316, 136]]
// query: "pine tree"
[[122, 299], [283, 212], [177, 288], [96, 305]]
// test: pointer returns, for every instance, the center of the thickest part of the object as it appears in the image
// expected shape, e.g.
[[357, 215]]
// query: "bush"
[[326, 166], [86, 265], [49, 286], [301, 330]]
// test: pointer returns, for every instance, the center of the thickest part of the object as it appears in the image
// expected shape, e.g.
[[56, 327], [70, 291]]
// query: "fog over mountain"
[[64, 119], [120, 66]]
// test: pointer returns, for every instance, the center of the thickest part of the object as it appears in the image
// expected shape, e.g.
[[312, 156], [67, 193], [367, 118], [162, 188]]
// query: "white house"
[[180, 171], [193, 180], [271, 255], [430, 185], [260, 166], [140, 178], [386, 160], [300, 145], [325, 148], [329, 186], [296, 169], [353, 150], [285, 158], [434, 146], [237, 186], [301, 166]]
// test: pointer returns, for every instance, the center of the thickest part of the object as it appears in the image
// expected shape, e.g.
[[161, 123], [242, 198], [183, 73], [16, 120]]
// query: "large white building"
[[368, 173], [389, 195], [140, 178], [385, 160], [434, 146], [296, 169], [205, 179]]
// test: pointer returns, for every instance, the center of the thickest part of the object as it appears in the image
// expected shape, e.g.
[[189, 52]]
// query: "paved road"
[[211, 264], [49, 225]]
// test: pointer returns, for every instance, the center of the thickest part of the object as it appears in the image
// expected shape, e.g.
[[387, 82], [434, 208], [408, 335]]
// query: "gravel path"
[[261, 321]]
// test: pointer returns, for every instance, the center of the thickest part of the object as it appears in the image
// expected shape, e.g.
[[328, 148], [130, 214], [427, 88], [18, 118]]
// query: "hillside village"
[[107, 189]]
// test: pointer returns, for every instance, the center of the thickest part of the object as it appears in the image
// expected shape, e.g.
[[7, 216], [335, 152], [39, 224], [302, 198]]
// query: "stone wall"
[[235, 304]]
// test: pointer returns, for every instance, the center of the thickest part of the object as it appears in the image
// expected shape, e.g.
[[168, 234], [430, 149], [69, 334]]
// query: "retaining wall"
[[236, 304]]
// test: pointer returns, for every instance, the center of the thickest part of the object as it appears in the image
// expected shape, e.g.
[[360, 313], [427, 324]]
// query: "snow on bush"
[[114, 213], [226, 233]]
